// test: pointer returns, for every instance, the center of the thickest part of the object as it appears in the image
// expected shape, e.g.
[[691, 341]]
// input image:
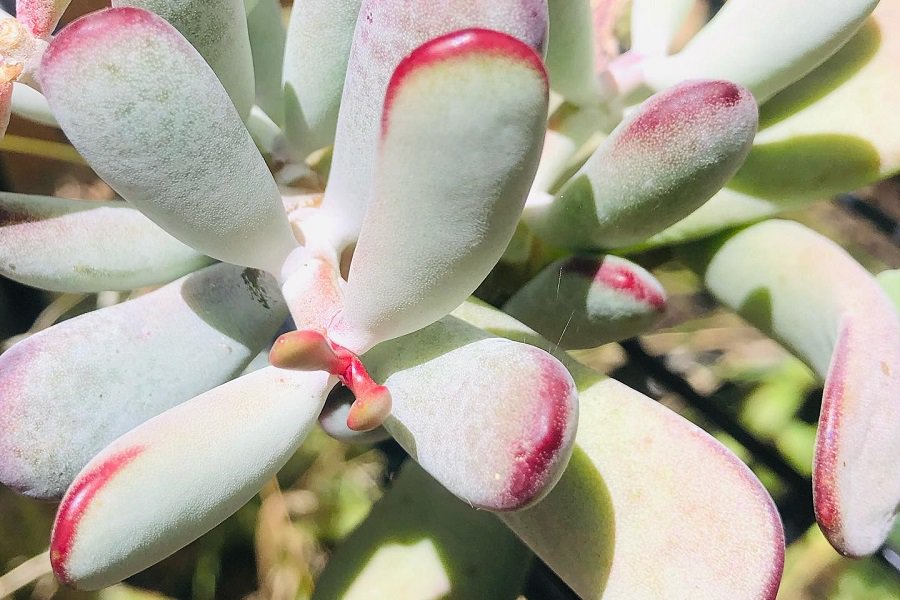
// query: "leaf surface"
[[807, 292], [659, 165], [167, 482], [83, 246], [461, 137], [740, 41], [492, 420], [148, 114], [635, 509], [386, 32], [68, 391]]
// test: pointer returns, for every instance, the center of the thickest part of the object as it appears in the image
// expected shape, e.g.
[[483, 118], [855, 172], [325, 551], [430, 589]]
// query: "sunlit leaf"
[[461, 137], [809, 293], [68, 391], [149, 115], [169, 481], [82, 246]]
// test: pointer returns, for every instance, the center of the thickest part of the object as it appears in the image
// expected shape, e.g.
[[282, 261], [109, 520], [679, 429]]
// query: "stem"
[[42, 148], [29, 571]]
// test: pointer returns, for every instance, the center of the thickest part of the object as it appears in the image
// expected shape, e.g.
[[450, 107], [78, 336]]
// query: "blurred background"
[[703, 362]]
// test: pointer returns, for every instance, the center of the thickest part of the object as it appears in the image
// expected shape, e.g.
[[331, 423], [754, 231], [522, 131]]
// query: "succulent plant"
[[358, 174]]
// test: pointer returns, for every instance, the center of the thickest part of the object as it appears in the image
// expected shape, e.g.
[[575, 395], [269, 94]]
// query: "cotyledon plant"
[[436, 112]]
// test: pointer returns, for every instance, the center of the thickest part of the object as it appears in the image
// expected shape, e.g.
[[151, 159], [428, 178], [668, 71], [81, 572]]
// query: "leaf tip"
[[74, 505]]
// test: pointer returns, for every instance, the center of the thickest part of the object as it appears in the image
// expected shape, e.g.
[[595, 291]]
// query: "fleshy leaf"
[[809, 293], [169, 481], [333, 420], [633, 510], [740, 41], [150, 117], [676, 151], [492, 420], [386, 32], [68, 391], [461, 136], [832, 131], [31, 104], [421, 542], [320, 34], [571, 54], [583, 302], [267, 45], [40, 16], [654, 25], [218, 30], [82, 246]]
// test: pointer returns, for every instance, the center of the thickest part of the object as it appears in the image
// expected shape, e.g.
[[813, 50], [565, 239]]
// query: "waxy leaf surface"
[[40, 16], [492, 420], [68, 391], [388, 30], [654, 25], [141, 105], [832, 131], [167, 482], [571, 54], [461, 136], [218, 30], [421, 542], [633, 510], [267, 44], [836, 129], [320, 34], [82, 246], [677, 150], [583, 302], [809, 293], [740, 42]]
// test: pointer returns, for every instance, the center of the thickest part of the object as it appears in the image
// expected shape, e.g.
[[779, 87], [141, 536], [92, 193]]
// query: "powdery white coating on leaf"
[[68, 391], [421, 542], [810, 133], [810, 294], [320, 34], [462, 132], [218, 30], [633, 510], [84, 246], [571, 54], [149, 115], [386, 31], [740, 41], [190, 468], [676, 151], [492, 420], [40, 16], [654, 24], [583, 302], [267, 45]]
